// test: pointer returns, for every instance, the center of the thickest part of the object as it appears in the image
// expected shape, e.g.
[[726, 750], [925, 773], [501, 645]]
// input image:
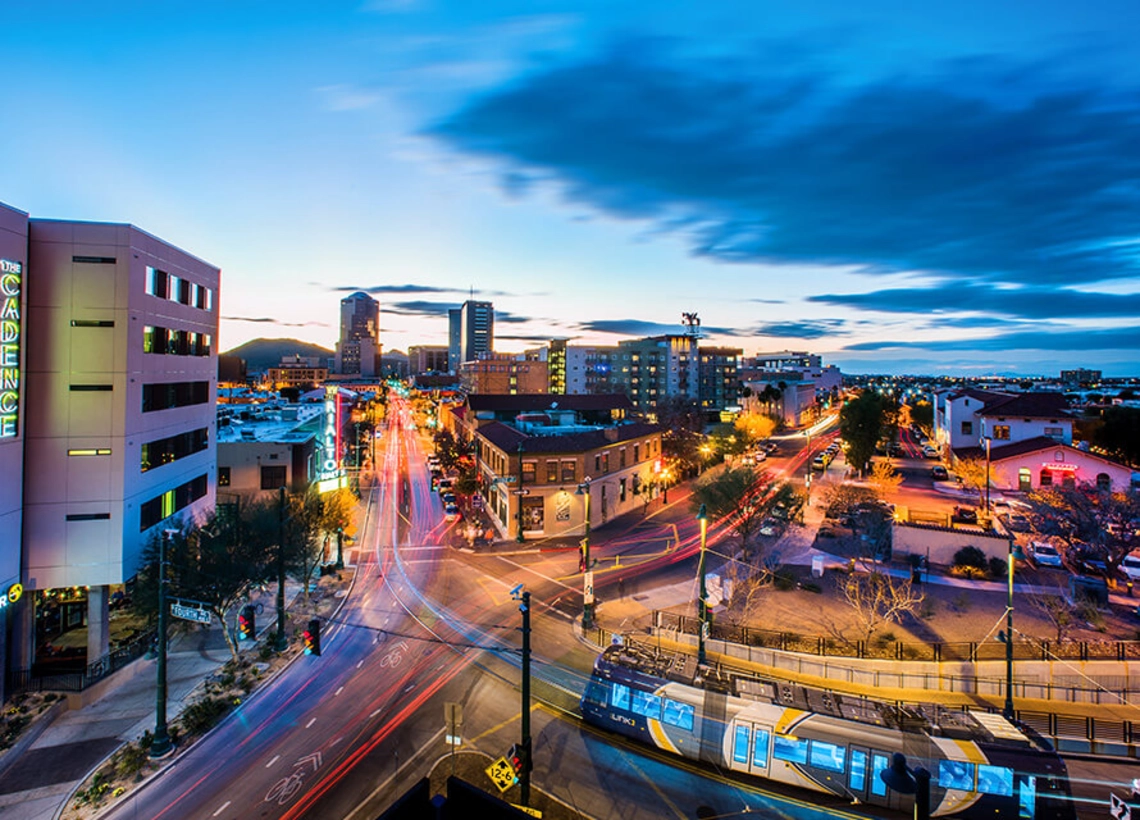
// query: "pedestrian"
[[621, 588]]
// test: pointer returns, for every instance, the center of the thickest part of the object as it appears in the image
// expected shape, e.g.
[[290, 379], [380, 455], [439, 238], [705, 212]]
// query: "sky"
[[900, 187]]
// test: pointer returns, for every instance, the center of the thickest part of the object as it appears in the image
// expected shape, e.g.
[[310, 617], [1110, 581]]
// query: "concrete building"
[[476, 331], [963, 419], [268, 450], [13, 418], [590, 370], [719, 381], [121, 384], [454, 339], [305, 372], [358, 350], [510, 373], [657, 368], [427, 359]]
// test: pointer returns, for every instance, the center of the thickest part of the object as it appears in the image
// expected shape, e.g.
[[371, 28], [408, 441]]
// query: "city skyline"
[[897, 189]]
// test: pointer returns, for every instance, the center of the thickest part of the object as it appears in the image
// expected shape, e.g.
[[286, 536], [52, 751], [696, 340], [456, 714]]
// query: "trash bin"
[[817, 566]]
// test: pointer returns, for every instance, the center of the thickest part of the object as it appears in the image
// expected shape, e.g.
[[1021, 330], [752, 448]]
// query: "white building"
[[121, 383]]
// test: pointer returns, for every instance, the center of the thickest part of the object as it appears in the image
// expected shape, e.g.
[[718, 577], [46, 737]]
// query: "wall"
[[941, 544]]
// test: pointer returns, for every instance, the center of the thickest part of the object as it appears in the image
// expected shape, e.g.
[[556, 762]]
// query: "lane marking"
[[274, 760], [374, 714], [360, 664], [338, 691], [310, 723], [224, 806]]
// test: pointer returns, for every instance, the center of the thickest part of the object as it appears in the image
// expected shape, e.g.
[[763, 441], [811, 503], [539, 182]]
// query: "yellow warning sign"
[[528, 810], [502, 774]]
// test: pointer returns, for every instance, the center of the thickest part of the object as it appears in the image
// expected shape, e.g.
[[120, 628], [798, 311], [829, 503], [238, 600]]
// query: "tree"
[[922, 414], [861, 424], [1120, 434], [769, 396], [683, 434], [446, 448], [754, 427], [972, 473], [1056, 609], [884, 478], [876, 598], [304, 550], [1083, 516], [742, 499]]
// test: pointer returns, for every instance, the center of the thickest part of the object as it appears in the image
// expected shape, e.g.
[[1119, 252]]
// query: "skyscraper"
[[454, 339], [477, 330], [358, 351]]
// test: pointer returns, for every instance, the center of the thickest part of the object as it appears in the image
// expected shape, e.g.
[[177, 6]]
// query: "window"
[[621, 490], [157, 282], [1103, 481], [790, 748], [95, 260], [879, 762], [165, 450], [857, 777], [165, 505], [167, 395], [91, 388], [1055, 432], [89, 517], [621, 457], [90, 451], [605, 462], [678, 714], [636, 453], [272, 477], [1046, 478], [1001, 432], [92, 323], [223, 476], [529, 468], [647, 704], [760, 749], [995, 780], [569, 471], [619, 698], [552, 472], [740, 745], [967, 428], [827, 756], [597, 464], [956, 774]]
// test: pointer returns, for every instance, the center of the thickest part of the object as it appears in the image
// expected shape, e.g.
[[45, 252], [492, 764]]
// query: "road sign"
[[1119, 809], [523, 491], [502, 774], [588, 587], [190, 613]]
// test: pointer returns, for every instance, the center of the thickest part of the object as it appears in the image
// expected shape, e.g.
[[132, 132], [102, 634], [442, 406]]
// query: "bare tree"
[[884, 478], [1056, 609], [972, 472], [876, 598]]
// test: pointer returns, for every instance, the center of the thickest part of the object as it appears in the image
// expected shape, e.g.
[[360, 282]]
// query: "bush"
[[784, 580], [202, 714], [997, 567], [970, 557], [130, 760]]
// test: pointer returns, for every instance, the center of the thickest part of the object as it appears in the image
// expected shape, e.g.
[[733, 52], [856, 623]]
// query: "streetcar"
[[981, 764]]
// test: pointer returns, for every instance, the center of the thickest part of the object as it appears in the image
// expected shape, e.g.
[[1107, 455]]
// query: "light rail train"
[[981, 764]]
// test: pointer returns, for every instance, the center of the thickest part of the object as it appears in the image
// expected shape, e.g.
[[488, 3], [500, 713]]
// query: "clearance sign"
[[11, 279]]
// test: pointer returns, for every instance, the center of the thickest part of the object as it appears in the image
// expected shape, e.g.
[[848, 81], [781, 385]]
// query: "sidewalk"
[[115, 711]]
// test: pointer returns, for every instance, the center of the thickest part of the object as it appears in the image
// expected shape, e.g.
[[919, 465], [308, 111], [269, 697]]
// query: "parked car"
[[449, 498], [451, 511], [770, 527], [938, 473], [1087, 561], [964, 515], [477, 502], [929, 452], [1017, 522], [771, 447], [760, 455], [1130, 566], [819, 462], [1044, 555]]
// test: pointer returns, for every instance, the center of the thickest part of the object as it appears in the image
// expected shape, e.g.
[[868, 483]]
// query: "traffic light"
[[247, 624], [582, 558], [515, 758], [312, 637]]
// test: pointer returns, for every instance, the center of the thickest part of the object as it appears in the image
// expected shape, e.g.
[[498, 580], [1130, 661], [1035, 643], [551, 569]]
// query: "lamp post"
[[905, 780], [339, 548], [587, 574], [280, 642], [987, 440], [702, 602], [524, 776], [161, 746], [665, 486], [1007, 635], [519, 537]]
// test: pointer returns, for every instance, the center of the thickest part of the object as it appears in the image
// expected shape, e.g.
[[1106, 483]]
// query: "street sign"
[[588, 587], [190, 613], [523, 491], [502, 774]]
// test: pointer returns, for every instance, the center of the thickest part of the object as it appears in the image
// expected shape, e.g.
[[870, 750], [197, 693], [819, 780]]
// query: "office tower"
[[454, 339], [477, 330], [358, 350]]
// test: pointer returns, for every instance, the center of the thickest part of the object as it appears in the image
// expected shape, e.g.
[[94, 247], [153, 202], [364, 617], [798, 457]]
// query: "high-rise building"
[[476, 331], [121, 382], [657, 368], [454, 339], [358, 350]]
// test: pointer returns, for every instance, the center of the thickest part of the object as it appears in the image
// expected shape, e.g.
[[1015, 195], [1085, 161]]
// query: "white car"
[[1130, 566], [929, 452], [1044, 555]]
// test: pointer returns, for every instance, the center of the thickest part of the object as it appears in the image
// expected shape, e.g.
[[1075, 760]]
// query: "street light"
[[587, 575], [987, 440], [523, 598], [905, 780], [161, 746], [1006, 636], [702, 603]]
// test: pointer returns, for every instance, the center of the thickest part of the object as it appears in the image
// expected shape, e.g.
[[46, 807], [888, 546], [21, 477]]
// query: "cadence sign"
[[11, 278]]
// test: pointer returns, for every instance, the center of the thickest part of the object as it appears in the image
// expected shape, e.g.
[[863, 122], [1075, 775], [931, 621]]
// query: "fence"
[[27, 680], [965, 651]]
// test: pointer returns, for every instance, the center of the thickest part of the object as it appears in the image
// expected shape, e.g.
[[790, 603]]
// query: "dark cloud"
[[807, 329], [374, 289], [637, 328], [522, 337], [1067, 340], [417, 307], [1022, 303], [977, 170], [271, 321]]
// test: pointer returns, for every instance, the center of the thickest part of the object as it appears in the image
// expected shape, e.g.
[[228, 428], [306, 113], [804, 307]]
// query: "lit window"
[[619, 698]]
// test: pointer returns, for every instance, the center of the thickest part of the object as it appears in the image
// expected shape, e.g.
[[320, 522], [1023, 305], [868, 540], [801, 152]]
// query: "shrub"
[[202, 714], [970, 557], [997, 567], [130, 760], [784, 580]]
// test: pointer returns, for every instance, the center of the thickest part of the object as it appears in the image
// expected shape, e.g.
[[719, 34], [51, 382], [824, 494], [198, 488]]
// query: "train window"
[[879, 762], [645, 703], [740, 745], [790, 748], [1027, 798], [858, 778], [954, 774], [619, 698], [760, 749], [678, 714], [995, 780], [827, 756]]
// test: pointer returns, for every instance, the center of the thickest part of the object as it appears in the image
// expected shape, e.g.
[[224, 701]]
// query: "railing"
[[964, 651], [30, 680]]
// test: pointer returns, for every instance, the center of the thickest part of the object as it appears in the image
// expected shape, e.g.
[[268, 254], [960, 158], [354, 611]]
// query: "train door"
[[751, 747], [876, 789], [858, 772]]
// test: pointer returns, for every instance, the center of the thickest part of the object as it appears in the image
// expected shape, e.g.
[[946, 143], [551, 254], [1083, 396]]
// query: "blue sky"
[[900, 187]]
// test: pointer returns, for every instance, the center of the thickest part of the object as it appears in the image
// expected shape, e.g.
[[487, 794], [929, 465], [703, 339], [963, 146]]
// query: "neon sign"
[[330, 446], [11, 280]]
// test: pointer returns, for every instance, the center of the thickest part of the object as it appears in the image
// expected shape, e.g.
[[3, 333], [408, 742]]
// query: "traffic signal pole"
[[524, 775]]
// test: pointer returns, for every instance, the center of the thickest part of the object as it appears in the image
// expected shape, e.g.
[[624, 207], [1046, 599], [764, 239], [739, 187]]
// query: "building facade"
[[428, 359], [298, 371], [508, 373], [121, 385], [358, 350], [476, 330]]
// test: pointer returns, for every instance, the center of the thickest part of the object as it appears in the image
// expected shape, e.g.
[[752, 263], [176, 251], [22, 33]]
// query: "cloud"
[[1023, 303], [807, 329], [392, 289], [271, 321], [418, 307], [638, 327], [981, 170], [1069, 340], [347, 97]]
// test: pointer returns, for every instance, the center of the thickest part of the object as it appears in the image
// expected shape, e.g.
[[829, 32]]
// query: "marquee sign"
[[11, 331]]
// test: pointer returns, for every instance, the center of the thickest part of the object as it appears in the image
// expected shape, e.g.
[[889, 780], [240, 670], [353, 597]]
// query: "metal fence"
[[31, 680], [878, 649]]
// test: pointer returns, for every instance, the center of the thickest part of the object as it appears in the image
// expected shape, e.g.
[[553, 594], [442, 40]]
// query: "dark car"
[[964, 515], [938, 473]]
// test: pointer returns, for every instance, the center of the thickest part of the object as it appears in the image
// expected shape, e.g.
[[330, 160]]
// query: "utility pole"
[[587, 575], [702, 603], [161, 746], [281, 641], [521, 494], [527, 765]]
